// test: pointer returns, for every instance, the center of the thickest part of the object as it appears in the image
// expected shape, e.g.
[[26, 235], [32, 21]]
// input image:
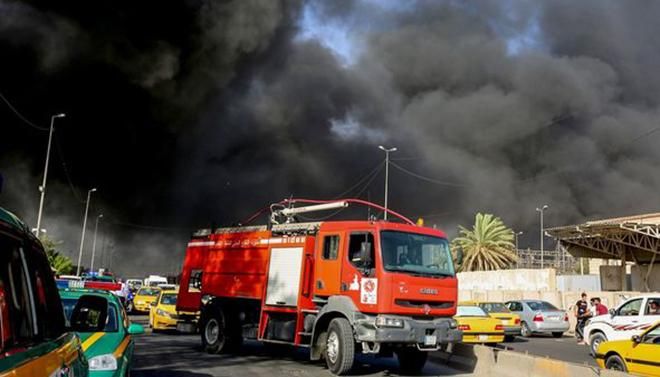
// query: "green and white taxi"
[[104, 329]]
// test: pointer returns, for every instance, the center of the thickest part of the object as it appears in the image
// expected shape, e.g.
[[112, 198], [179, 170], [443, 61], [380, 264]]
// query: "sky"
[[195, 114]]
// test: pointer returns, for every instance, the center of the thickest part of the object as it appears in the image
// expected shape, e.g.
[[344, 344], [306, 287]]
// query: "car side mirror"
[[636, 339], [90, 314], [612, 312], [135, 329]]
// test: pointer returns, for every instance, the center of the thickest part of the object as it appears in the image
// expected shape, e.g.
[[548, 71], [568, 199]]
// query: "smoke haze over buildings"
[[189, 113]]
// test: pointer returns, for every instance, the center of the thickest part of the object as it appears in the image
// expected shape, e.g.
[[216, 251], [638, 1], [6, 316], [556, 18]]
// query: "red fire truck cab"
[[338, 287]]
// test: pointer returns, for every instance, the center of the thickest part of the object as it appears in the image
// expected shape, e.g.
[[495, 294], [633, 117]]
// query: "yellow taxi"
[[638, 355], [510, 321], [163, 314], [477, 325], [144, 297]]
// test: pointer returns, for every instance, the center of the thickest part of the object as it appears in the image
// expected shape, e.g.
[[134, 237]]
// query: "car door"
[[516, 307], [642, 359], [625, 322]]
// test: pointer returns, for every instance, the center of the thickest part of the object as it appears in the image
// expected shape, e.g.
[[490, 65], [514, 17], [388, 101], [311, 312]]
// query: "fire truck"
[[336, 287]]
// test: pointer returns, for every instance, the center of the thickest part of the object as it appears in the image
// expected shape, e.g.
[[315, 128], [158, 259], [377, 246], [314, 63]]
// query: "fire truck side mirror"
[[366, 256]]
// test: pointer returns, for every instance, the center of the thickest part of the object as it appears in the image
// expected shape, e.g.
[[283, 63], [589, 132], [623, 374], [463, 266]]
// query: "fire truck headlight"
[[103, 362], [382, 321], [163, 313]]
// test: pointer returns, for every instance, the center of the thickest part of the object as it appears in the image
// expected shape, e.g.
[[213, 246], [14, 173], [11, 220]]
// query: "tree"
[[487, 246], [61, 264]]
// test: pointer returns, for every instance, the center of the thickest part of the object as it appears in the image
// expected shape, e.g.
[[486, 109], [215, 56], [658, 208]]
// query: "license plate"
[[553, 318], [483, 337], [430, 340], [505, 322]]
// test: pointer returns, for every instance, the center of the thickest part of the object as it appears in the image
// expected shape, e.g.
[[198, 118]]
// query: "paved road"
[[565, 348], [175, 355]]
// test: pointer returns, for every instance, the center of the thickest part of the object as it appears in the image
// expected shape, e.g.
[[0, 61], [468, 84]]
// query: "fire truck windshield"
[[416, 254]]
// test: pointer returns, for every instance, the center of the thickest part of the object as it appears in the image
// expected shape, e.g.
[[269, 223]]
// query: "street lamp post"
[[540, 211], [387, 171], [515, 235], [82, 237], [96, 228], [42, 188]]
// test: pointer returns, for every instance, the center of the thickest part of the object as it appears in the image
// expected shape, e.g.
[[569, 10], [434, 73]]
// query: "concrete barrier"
[[491, 362]]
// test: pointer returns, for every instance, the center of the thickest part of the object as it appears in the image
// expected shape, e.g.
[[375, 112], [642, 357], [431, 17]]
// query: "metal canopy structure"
[[628, 239]]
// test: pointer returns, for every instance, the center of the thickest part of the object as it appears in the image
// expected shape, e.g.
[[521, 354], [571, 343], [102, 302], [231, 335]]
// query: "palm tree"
[[61, 264], [487, 246]]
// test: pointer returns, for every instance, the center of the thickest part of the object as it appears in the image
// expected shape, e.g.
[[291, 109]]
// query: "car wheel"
[[615, 362], [595, 340], [558, 334], [411, 361], [525, 331], [340, 347]]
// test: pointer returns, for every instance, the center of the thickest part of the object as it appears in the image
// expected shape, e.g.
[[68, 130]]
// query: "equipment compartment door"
[[284, 276]]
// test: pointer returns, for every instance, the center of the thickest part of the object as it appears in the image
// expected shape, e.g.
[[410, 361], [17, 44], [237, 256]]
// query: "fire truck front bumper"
[[407, 330]]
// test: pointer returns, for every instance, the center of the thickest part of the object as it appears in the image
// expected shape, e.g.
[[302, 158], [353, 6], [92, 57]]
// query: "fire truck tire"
[[340, 347], [411, 361], [216, 334]]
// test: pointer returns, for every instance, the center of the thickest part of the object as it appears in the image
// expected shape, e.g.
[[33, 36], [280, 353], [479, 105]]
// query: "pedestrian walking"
[[581, 313]]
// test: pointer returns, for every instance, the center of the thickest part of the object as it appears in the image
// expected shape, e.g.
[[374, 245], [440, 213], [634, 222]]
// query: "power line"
[[18, 114], [372, 173], [424, 178]]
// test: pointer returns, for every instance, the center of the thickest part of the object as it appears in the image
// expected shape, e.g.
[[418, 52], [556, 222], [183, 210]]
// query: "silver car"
[[538, 316]]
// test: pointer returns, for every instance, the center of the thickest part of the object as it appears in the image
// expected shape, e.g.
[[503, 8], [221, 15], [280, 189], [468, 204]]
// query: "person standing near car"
[[581, 313], [600, 308]]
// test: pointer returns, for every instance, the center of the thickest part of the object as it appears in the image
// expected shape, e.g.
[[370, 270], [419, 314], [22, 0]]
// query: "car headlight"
[[140, 302], [382, 321], [103, 362], [163, 313]]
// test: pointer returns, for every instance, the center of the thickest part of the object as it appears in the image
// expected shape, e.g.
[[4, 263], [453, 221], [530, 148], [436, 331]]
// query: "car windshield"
[[494, 307], [470, 311], [168, 299], [111, 323], [416, 253], [148, 292], [541, 306]]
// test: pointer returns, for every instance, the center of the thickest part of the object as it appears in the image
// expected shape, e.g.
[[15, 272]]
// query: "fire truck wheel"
[[411, 361], [216, 336], [340, 347]]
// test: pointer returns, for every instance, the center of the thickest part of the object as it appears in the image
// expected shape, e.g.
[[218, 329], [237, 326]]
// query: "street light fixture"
[[540, 211], [96, 228], [82, 237], [515, 235], [42, 188], [387, 171]]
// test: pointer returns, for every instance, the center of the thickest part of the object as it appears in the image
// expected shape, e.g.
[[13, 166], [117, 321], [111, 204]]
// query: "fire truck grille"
[[421, 303]]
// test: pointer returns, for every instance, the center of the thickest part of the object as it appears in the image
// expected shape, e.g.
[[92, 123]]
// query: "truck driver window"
[[631, 308], [356, 242], [330, 247], [416, 254]]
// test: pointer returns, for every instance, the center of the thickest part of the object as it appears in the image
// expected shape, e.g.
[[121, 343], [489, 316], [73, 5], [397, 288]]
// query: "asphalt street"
[[176, 355]]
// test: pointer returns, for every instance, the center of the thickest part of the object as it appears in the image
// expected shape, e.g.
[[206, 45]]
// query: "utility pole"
[[540, 211], [96, 228], [42, 188], [387, 171], [82, 237]]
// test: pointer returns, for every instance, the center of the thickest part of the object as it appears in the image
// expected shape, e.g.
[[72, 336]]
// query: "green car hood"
[[99, 343]]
